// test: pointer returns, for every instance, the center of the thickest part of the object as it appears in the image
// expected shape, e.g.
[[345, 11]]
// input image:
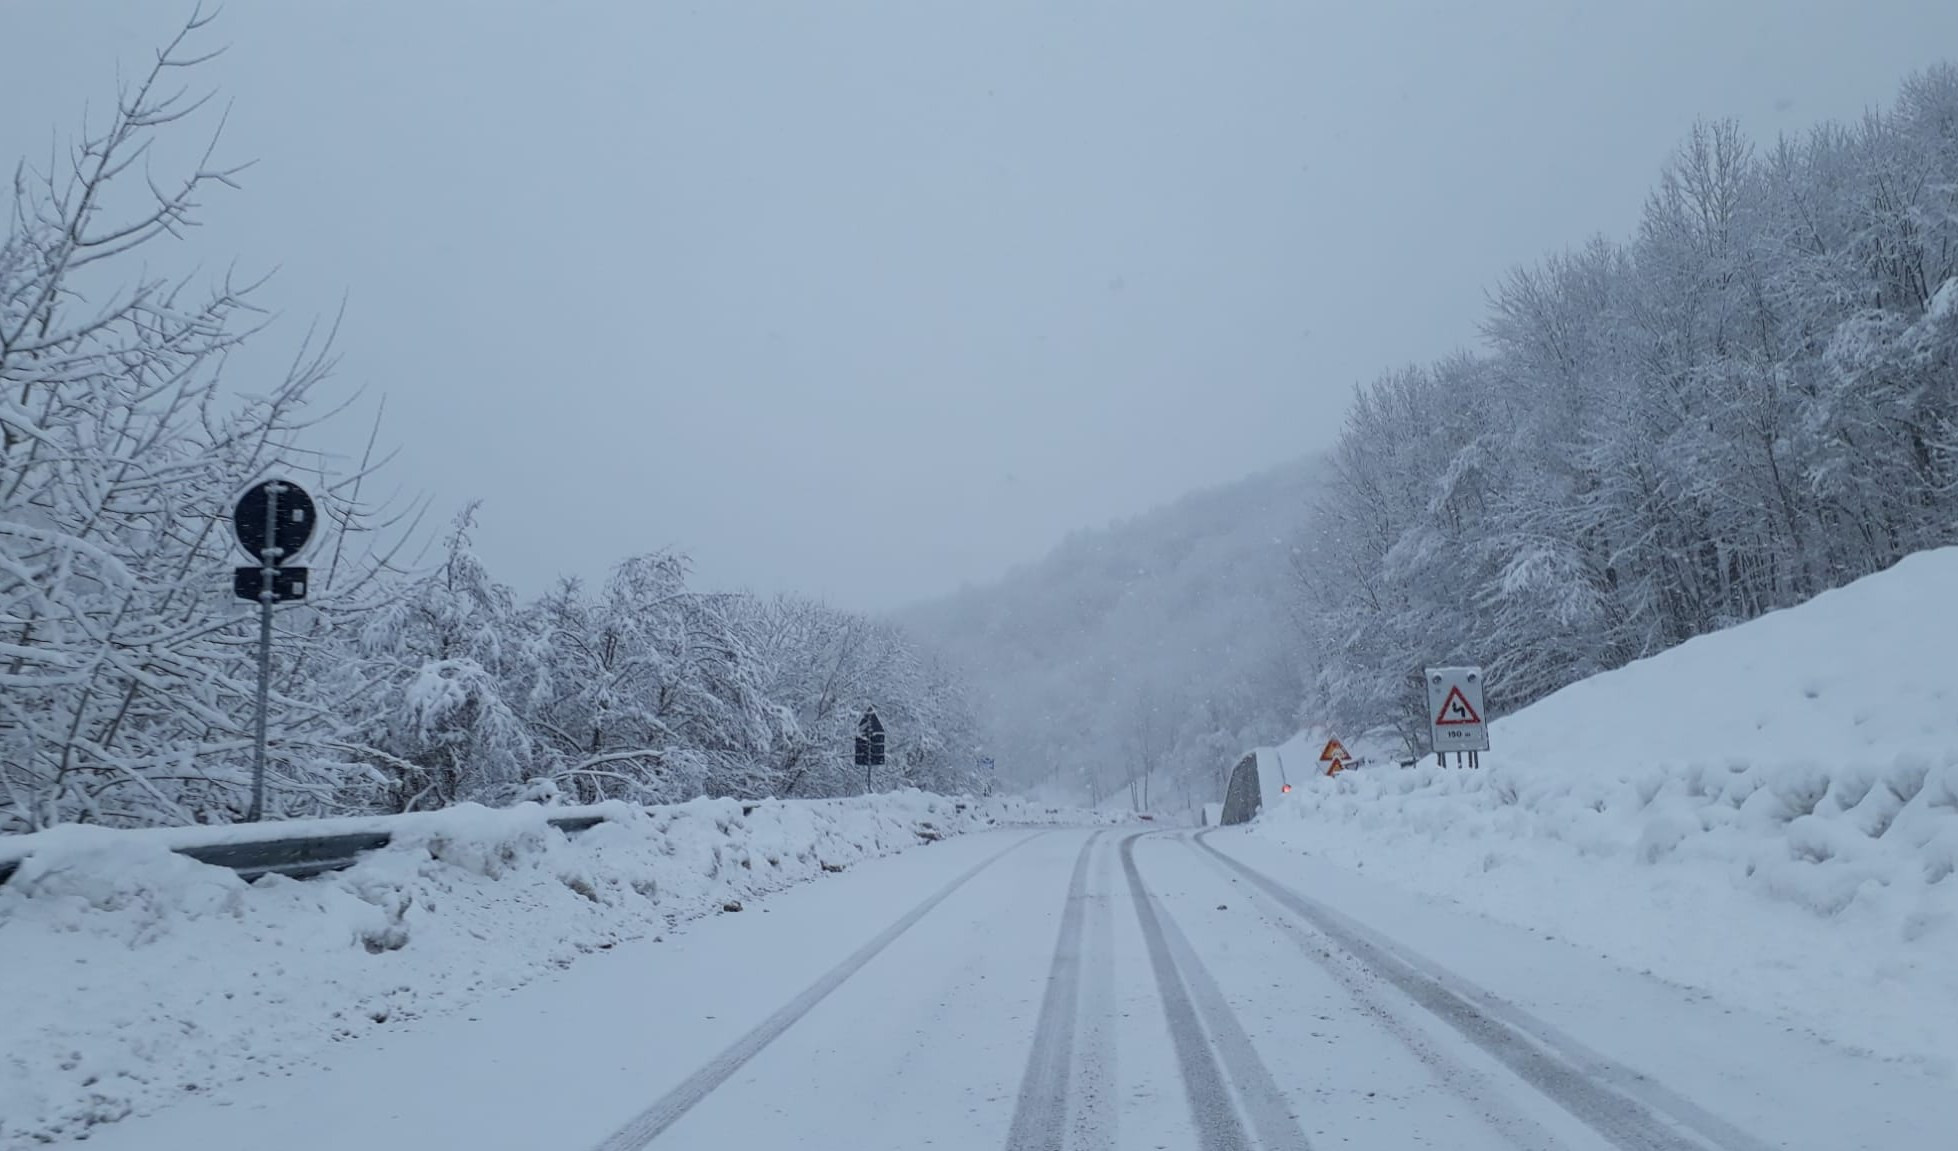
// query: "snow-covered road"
[[1083, 989]]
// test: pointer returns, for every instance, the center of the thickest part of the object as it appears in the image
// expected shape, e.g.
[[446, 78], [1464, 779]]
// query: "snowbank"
[[137, 975], [1769, 813]]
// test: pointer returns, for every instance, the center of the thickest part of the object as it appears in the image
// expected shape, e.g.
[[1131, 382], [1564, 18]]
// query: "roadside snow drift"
[[136, 975], [1769, 813]]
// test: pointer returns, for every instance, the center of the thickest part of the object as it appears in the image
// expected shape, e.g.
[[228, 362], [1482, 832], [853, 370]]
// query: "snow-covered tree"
[[432, 661], [126, 667]]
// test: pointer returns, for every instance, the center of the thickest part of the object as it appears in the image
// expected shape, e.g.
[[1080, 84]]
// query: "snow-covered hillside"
[[1769, 813], [1160, 643], [146, 976]]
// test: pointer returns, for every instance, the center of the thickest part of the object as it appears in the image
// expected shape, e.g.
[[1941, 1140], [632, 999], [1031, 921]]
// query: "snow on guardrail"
[[297, 847]]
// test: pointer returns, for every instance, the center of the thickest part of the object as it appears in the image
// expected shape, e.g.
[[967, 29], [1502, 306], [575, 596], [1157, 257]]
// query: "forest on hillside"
[[409, 678], [1749, 401]]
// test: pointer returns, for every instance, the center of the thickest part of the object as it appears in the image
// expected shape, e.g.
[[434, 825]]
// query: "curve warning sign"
[[1455, 709]]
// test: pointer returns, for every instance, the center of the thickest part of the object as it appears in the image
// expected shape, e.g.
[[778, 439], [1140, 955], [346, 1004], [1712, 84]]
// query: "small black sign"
[[293, 523], [870, 740], [288, 584]]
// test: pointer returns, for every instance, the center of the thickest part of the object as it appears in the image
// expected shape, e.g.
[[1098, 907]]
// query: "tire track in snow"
[[1608, 1097], [1095, 1121], [1192, 999], [1040, 1113], [648, 1124], [1475, 1087]]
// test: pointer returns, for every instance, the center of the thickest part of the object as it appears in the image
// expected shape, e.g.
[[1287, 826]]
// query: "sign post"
[[273, 522], [1455, 713], [870, 745]]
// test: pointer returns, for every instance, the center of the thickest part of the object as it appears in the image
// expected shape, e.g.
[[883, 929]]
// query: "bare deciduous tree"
[[126, 676]]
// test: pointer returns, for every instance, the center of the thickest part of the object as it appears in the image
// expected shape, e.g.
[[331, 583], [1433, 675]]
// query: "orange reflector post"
[[1287, 787]]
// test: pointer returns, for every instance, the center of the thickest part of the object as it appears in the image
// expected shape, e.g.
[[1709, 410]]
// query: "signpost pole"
[[268, 574], [273, 521]]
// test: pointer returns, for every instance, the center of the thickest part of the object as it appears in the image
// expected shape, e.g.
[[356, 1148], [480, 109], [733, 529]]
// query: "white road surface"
[[1083, 989]]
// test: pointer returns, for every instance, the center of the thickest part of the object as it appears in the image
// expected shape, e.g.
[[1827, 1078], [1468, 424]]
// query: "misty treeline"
[[1748, 402], [128, 670], [1135, 663]]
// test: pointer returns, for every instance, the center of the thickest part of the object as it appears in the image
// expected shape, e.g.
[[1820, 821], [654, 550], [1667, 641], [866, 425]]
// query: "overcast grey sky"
[[867, 300]]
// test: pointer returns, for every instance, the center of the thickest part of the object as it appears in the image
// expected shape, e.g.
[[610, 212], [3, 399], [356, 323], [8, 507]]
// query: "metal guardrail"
[[303, 857]]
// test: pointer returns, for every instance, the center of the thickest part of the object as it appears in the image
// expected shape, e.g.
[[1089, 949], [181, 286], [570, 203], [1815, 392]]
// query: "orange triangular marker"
[[1455, 711], [1334, 752]]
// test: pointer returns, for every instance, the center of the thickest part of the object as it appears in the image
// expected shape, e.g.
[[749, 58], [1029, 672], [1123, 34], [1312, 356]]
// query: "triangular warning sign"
[[1334, 752], [1455, 711]]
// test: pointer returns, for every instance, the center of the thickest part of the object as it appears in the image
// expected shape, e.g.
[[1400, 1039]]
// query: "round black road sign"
[[291, 520]]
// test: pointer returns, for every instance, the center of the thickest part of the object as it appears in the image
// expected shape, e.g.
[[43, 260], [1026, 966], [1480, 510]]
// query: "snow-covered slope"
[[1770, 813], [140, 976]]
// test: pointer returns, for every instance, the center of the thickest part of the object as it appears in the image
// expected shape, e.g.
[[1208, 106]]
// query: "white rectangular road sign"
[[1455, 716]]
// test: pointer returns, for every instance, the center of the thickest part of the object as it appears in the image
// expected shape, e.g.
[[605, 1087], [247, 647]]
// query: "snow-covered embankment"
[[136, 976], [1769, 813]]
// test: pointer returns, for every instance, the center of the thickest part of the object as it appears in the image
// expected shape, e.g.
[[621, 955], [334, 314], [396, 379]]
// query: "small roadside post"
[[870, 745], [273, 522], [1455, 714]]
